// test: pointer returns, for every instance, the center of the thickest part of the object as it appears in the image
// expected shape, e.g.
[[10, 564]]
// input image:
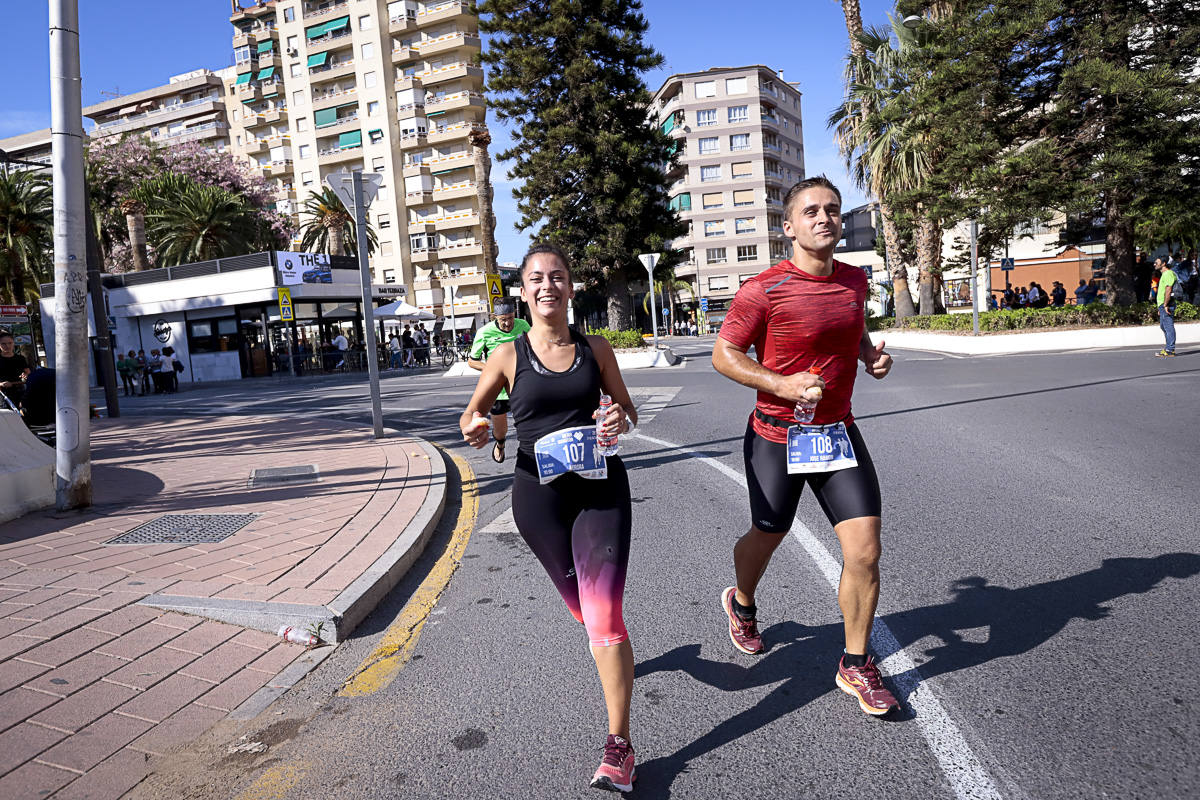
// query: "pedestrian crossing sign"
[[495, 290], [285, 305]]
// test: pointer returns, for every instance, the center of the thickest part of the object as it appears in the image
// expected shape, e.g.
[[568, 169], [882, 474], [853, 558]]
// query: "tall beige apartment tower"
[[740, 144], [385, 87]]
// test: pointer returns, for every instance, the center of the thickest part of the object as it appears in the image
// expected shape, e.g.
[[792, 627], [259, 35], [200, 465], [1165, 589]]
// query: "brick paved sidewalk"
[[94, 684]]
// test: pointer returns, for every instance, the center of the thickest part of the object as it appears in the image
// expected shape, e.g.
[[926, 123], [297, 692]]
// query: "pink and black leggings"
[[580, 529]]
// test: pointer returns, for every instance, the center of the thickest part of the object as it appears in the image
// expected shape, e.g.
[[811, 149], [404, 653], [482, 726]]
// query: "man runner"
[[505, 328], [805, 319]]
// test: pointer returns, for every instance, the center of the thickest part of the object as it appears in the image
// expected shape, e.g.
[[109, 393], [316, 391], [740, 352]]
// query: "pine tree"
[[568, 73]]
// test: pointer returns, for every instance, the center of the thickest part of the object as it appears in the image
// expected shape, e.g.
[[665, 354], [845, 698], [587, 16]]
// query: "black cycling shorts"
[[500, 407], [774, 494]]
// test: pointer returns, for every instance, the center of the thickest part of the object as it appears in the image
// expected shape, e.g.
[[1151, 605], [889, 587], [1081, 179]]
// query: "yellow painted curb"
[[274, 784], [396, 647]]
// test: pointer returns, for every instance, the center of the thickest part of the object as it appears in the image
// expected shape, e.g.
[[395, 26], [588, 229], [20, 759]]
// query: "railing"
[[458, 245], [474, 126], [194, 129], [440, 7], [348, 118], [404, 19], [321, 12], [409, 107], [768, 89], [329, 37], [445, 37], [455, 186], [327, 67], [335, 150], [444, 159], [334, 93], [155, 112], [437, 100], [423, 74]]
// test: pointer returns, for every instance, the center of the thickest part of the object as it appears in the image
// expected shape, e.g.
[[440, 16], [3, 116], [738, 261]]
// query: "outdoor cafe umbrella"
[[401, 310]]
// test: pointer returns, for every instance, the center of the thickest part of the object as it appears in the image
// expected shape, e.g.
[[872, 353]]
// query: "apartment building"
[[34, 147], [739, 138], [189, 108], [384, 87]]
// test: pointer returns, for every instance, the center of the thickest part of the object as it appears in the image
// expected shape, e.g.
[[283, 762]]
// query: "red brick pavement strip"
[[92, 686]]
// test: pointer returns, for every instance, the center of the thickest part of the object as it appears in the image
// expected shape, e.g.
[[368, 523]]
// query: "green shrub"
[[620, 339], [1096, 315]]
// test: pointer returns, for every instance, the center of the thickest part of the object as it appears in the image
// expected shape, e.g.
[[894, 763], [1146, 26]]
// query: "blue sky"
[[127, 46]]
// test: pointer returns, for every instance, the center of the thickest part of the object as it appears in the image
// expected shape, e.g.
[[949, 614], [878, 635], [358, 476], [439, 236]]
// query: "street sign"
[[285, 305], [649, 260], [1007, 264], [666, 312], [14, 311], [15, 320], [704, 304], [495, 290]]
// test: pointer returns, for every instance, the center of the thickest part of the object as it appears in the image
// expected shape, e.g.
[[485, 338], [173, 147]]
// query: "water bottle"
[[290, 634], [806, 409], [605, 445]]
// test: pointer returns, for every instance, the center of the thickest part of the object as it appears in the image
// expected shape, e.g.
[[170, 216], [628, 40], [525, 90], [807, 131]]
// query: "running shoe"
[[616, 772], [742, 632], [1165, 354], [866, 685]]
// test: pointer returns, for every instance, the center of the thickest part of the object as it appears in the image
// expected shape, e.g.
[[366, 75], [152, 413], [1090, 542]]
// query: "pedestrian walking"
[[166, 368], [407, 344], [571, 505], [504, 327], [805, 318], [394, 351], [1166, 310], [127, 368], [343, 346]]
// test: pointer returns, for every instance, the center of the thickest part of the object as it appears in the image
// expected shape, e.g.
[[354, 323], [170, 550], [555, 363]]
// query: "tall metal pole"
[[360, 223], [648, 261], [974, 276], [106, 367], [73, 485]]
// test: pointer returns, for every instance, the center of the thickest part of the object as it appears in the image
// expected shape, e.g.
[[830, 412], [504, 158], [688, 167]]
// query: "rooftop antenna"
[[116, 92]]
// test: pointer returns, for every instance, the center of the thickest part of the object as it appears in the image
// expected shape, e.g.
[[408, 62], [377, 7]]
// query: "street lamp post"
[[357, 194], [648, 261], [974, 273]]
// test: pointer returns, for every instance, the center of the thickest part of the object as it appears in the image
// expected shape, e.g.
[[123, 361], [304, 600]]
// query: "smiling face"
[[7, 345], [815, 224], [546, 285]]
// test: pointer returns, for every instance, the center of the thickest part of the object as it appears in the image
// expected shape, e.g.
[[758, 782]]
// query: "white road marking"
[[501, 524], [963, 770], [649, 400]]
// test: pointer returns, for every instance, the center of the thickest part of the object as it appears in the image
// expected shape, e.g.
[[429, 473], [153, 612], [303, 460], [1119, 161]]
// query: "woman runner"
[[577, 525]]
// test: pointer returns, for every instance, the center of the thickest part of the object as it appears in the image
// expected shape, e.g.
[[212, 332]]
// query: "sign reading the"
[[162, 330], [285, 305], [297, 268], [495, 290]]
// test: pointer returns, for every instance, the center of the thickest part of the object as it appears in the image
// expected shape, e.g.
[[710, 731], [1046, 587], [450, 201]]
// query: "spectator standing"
[[127, 367], [1081, 293], [1058, 295], [143, 372], [342, 344], [155, 366], [1166, 310], [394, 350], [1143, 271], [421, 340], [166, 368], [408, 344], [992, 303], [14, 368], [1089, 296]]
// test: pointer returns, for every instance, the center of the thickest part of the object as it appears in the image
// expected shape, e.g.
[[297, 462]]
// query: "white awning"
[[461, 323]]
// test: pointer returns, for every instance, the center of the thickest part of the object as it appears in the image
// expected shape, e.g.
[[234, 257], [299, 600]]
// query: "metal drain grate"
[[274, 476], [186, 529]]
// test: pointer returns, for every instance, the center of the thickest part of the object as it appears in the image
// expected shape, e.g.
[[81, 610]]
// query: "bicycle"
[[451, 353]]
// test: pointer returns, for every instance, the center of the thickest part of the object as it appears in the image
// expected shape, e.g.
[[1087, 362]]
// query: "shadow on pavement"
[[802, 658]]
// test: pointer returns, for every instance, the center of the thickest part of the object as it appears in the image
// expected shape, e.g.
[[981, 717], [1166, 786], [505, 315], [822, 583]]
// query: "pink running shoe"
[[743, 633], [865, 684], [616, 772]]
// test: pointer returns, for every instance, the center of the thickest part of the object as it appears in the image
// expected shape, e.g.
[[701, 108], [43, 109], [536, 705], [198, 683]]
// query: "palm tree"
[[480, 139], [26, 233], [327, 226], [201, 223]]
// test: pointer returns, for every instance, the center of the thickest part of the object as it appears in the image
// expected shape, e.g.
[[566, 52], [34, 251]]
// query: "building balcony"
[[451, 72], [342, 124], [419, 197], [287, 193], [195, 133], [456, 191], [158, 116], [268, 60], [770, 121], [452, 132], [453, 101], [447, 43], [333, 98], [461, 250], [255, 11], [441, 12], [311, 13], [253, 146], [277, 139], [415, 168], [407, 82], [241, 39], [329, 41], [410, 141], [248, 91], [409, 110], [460, 219], [422, 256], [277, 168], [340, 155], [402, 22], [452, 161], [253, 120], [401, 54], [330, 72]]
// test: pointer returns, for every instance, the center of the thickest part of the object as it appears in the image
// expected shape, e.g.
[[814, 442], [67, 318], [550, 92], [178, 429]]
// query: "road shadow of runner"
[[799, 657]]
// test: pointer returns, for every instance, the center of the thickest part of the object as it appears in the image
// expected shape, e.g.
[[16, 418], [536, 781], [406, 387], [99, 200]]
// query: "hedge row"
[[620, 339], [1095, 315]]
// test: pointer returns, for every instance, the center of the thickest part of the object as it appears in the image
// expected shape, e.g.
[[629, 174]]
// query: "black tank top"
[[543, 401]]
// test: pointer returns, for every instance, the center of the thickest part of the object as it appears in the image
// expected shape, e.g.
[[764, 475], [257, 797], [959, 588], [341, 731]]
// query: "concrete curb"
[[1039, 342], [27, 474], [288, 677], [355, 602]]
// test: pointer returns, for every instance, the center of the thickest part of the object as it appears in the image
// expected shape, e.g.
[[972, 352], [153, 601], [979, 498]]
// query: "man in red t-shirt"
[[805, 319]]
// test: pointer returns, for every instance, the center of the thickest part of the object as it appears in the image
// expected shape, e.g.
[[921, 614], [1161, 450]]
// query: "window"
[[738, 113], [705, 89], [709, 144], [745, 276], [774, 196], [706, 116], [382, 192], [368, 50], [714, 255], [384, 220], [385, 249], [739, 141], [714, 227], [213, 335], [298, 98], [306, 179], [376, 136], [744, 225], [743, 197], [779, 251], [770, 140], [372, 108], [295, 70], [389, 276], [718, 283], [710, 173], [735, 86], [301, 124], [775, 222], [364, 22], [741, 169], [377, 164], [239, 141], [748, 252], [293, 42], [305, 151], [289, 15], [369, 80], [711, 200]]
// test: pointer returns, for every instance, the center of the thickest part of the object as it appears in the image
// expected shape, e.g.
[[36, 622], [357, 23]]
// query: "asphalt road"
[[1040, 577]]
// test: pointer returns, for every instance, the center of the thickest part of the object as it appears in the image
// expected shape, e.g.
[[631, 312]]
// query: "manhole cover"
[[186, 529], [273, 476]]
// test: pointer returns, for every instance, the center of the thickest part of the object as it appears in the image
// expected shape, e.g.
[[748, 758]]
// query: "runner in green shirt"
[[505, 328], [1166, 310]]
